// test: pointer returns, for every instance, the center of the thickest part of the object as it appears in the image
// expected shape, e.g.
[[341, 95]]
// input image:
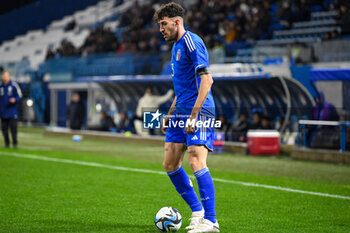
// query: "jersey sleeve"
[[17, 92], [197, 52]]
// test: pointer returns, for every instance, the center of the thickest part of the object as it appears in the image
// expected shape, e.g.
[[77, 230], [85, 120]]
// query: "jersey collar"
[[8, 84], [182, 37]]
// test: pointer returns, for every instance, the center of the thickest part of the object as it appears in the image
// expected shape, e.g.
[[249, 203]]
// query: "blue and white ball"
[[77, 138], [168, 219]]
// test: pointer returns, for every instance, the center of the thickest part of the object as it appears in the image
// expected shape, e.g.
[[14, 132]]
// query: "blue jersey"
[[8, 91], [188, 55]]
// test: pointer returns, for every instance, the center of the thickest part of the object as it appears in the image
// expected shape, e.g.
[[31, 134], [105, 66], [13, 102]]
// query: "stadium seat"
[[34, 43]]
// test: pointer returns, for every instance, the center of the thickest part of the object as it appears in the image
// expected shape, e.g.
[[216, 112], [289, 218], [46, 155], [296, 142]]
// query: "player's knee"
[[196, 166], [169, 167], [196, 163]]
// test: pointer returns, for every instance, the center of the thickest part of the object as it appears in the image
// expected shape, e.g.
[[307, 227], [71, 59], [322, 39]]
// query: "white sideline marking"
[[92, 164]]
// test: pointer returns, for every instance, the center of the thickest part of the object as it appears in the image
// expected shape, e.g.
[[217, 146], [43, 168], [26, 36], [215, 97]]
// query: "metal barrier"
[[303, 123]]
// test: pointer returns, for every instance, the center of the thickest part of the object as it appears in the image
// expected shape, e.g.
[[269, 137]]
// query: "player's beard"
[[172, 35]]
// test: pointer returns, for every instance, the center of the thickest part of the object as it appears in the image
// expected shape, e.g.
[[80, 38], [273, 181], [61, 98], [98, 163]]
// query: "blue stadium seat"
[[273, 9], [316, 8]]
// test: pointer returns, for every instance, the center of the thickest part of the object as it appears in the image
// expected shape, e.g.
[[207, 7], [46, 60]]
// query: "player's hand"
[[12, 100], [191, 128], [164, 126]]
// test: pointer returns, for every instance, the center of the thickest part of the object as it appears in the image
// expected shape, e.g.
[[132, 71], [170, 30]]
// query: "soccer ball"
[[77, 138], [168, 219]]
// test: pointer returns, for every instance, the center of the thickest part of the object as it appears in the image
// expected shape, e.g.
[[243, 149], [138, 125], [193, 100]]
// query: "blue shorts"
[[204, 134]]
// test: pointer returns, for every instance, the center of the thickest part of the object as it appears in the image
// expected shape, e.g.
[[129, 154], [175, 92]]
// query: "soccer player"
[[193, 102]]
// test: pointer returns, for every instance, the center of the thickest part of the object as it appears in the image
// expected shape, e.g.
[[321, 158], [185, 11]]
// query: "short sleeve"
[[197, 52]]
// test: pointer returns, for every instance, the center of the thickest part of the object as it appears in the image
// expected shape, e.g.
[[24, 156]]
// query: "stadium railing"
[[342, 125]]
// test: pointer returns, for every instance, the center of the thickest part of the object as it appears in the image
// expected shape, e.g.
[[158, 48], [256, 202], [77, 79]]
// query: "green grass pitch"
[[52, 196]]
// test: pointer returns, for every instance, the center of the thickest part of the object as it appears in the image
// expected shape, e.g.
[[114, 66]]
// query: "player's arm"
[[204, 89], [17, 94], [170, 112]]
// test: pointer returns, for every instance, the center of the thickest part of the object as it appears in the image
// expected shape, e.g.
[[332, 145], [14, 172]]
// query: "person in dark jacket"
[[225, 126], [107, 123], [124, 123], [10, 95], [266, 123], [324, 111], [76, 112], [256, 124], [238, 131]]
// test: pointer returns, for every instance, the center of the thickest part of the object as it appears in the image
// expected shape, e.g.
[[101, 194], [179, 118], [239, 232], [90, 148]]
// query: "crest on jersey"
[[178, 54], [9, 90]]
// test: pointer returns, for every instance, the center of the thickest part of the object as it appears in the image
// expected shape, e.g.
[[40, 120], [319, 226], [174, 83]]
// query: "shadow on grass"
[[59, 225]]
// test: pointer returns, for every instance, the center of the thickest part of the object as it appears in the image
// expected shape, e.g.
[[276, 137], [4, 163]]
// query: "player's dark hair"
[[1, 69], [170, 10]]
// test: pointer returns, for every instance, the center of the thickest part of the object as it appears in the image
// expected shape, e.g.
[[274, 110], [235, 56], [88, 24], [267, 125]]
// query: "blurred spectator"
[[139, 36], [345, 18], [100, 40], [66, 49], [218, 53], [76, 112], [253, 31], [279, 124], [266, 122], [225, 125], [301, 10], [224, 18], [107, 123], [256, 124], [70, 26], [49, 54], [238, 130], [324, 110], [38, 96], [323, 136], [223, 21], [230, 32], [149, 102], [335, 35], [284, 12], [331, 35], [124, 123], [240, 21]]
